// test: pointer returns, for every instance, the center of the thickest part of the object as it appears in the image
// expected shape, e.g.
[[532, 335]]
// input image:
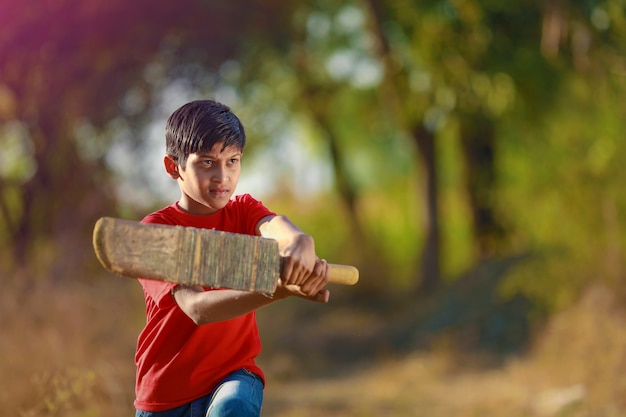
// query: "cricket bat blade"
[[193, 256]]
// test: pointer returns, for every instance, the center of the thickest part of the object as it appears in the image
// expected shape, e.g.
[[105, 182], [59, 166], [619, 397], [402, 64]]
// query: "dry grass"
[[69, 352], [577, 368]]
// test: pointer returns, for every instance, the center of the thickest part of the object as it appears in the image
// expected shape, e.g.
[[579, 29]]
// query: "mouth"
[[220, 192]]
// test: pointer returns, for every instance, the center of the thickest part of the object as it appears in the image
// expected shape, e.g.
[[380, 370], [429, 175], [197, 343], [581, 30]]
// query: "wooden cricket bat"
[[193, 256]]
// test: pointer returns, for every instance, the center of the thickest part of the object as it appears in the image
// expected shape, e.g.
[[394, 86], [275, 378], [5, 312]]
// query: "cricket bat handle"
[[342, 274]]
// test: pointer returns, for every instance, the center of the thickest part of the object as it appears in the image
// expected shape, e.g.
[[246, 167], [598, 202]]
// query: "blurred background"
[[465, 155]]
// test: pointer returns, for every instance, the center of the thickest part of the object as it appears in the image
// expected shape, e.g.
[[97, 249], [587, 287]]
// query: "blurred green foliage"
[[459, 133]]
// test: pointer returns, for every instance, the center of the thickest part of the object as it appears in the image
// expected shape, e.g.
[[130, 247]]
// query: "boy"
[[196, 354]]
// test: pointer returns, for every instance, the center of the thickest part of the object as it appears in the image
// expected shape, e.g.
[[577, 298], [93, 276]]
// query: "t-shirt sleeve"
[[254, 212], [159, 291]]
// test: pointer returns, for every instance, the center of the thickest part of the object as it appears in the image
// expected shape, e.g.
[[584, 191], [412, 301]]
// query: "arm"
[[205, 307], [298, 251], [303, 275]]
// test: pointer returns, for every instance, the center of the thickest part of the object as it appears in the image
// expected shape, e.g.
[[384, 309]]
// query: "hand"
[[312, 289], [299, 260], [317, 280], [284, 291]]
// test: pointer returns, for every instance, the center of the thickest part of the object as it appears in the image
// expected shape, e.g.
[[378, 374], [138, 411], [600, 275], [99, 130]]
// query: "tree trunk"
[[430, 271], [395, 85], [477, 139], [345, 188], [58, 208]]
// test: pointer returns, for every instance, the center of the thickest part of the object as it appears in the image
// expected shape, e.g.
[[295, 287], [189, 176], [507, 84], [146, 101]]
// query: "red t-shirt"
[[177, 360]]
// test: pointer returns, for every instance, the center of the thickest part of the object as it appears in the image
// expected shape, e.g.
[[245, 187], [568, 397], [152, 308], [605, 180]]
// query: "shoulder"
[[248, 211], [244, 199], [166, 215], [246, 202]]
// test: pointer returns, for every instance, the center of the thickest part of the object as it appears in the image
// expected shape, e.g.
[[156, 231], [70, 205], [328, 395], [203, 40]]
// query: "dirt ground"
[[577, 367], [70, 353]]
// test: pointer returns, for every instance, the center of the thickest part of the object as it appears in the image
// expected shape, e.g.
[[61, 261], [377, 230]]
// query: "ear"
[[171, 167]]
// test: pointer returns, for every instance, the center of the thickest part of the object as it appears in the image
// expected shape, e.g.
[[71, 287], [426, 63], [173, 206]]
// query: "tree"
[[64, 64]]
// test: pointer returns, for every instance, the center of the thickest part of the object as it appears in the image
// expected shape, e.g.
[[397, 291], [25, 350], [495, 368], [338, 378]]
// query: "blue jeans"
[[240, 394]]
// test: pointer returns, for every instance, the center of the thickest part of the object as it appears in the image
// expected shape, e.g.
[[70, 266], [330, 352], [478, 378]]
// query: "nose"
[[220, 174]]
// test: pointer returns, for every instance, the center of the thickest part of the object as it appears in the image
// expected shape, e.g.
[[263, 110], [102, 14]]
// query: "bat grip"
[[343, 274], [339, 274]]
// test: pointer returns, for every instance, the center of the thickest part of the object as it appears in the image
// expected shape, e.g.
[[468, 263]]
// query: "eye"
[[233, 161], [206, 162]]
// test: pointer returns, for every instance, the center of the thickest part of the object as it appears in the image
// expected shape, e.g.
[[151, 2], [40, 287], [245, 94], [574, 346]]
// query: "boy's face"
[[208, 180]]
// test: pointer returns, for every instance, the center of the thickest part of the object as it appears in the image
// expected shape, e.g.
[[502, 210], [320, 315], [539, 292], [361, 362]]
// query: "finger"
[[294, 273], [286, 271], [301, 275], [318, 278], [321, 297]]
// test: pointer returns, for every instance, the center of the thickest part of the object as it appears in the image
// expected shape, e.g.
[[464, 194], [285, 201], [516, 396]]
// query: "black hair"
[[197, 126]]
